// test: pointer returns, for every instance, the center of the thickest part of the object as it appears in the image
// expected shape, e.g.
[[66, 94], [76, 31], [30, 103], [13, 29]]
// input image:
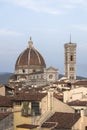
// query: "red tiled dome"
[[30, 58]]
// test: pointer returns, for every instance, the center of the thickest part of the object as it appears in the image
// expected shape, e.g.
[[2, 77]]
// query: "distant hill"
[[80, 77], [4, 77], [77, 77]]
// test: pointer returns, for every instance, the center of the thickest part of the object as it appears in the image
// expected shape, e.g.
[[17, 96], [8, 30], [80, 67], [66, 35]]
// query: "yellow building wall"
[[18, 119], [45, 128], [22, 129], [48, 104]]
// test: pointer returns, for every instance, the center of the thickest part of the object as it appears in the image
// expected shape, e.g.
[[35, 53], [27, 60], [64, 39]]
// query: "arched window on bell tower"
[[71, 58]]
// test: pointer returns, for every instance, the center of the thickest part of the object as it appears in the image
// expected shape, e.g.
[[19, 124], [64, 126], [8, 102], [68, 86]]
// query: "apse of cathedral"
[[30, 69]]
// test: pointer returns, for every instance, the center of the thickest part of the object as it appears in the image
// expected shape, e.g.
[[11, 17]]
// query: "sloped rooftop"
[[61, 120], [77, 103], [5, 101], [33, 96]]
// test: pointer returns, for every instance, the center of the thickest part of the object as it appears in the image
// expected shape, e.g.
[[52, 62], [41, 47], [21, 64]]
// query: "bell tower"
[[70, 60]]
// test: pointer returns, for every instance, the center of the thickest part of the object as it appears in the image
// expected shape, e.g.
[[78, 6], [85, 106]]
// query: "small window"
[[1, 109], [5, 109], [85, 127], [25, 109], [23, 71], [71, 77], [71, 58], [18, 103], [77, 111], [35, 108], [34, 71], [71, 69]]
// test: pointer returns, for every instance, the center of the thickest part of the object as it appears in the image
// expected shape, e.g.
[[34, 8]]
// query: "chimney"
[[82, 112]]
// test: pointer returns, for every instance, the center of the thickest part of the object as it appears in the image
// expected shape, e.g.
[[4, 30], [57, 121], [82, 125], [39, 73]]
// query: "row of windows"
[[34, 77], [71, 58], [71, 68], [32, 111], [28, 71], [71, 77], [3, 109], [18, 103], [24, 71]]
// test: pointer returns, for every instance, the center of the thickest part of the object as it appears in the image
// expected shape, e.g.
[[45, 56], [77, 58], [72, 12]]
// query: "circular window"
[[50, 76]]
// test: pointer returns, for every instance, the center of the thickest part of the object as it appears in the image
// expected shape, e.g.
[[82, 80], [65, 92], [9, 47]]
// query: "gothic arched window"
[[71, 58]]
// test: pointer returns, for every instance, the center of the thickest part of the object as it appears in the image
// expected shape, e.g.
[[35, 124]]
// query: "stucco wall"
[[81, 123], [59, 106], [2, 90], [18, 119], [75, 94]]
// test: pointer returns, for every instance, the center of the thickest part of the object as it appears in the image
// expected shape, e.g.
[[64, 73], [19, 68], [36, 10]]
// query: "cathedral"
[[30, 69]]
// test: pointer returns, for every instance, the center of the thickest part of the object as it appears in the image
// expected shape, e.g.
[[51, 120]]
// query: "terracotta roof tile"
[[77, 103], [60, 82], [28, 126], [33, 96], [49, 124], [59, 97], [5, 101], [3, 115], [63, 120], [81, 82], [30, 57]]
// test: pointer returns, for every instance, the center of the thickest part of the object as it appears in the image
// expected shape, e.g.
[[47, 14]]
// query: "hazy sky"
[[49, 23]]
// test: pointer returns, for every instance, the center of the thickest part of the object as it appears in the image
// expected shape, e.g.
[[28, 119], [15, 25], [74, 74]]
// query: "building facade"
[[35, 107]]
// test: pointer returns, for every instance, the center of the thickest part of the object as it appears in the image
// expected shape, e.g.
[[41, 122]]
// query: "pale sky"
[[49, 23]]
